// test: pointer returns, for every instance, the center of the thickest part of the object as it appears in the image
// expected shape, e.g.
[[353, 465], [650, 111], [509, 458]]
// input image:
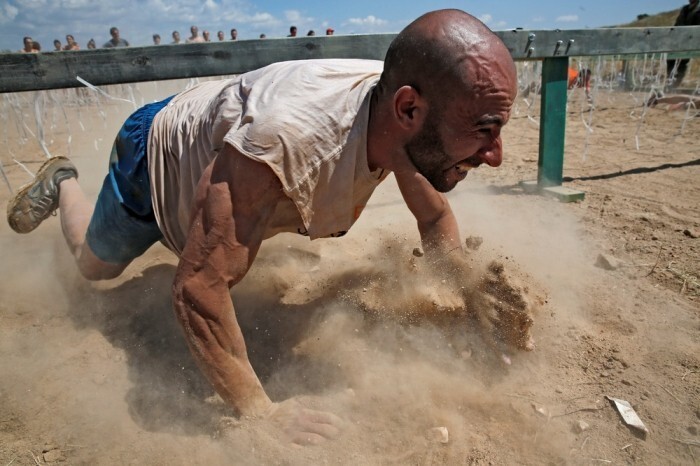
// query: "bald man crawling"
[[294, 147]]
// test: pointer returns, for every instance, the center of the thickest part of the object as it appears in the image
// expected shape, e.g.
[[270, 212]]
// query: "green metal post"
[[552, 121]]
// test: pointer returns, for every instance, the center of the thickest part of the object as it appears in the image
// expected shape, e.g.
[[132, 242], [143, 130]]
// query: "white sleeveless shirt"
[[307, 120]]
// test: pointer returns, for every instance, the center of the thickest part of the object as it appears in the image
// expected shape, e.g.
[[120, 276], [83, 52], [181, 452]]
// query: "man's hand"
[[304, 426]]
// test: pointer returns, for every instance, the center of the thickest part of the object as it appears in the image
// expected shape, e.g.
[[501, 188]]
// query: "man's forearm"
[[215, 339], [440, 237]]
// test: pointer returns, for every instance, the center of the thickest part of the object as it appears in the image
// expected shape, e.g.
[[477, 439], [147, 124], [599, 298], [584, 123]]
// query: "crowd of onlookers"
[[32, 46]]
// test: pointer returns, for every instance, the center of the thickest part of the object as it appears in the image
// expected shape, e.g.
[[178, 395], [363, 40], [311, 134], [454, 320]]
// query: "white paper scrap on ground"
[[629, 415]]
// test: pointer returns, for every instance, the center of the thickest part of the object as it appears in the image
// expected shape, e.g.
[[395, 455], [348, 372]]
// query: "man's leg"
[[76, 212]]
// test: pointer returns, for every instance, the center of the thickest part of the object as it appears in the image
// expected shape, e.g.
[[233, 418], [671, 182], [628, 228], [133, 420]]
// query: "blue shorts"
[[123, 225]]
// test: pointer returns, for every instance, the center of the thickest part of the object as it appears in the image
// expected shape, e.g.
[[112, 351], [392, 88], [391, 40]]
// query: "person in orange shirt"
[[580, 79]]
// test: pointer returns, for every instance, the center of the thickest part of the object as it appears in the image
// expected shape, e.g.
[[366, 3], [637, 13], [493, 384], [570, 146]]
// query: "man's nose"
[[492, 153]]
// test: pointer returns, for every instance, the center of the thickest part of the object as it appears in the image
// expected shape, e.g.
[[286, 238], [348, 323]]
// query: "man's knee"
[[93, 268]]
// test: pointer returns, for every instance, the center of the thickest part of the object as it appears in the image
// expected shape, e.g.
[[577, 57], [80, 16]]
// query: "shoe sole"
[[16, 199]]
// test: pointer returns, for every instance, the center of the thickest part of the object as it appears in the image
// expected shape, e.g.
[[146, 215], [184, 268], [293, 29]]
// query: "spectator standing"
[[156, 39], [329, 31], [91, 44], [220, 36], [205, 36], [57, 47], [36, 46], [176, 37], [234, 34], [71, 44], [195, 37], [688, 16], [115, 41], [292, 31], [28, 42]]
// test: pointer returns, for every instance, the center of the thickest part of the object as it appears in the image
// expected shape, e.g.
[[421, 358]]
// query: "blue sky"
[[137, 20]]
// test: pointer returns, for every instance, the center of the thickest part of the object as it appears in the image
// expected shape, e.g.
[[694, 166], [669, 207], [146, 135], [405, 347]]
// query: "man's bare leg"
[[76, 211]]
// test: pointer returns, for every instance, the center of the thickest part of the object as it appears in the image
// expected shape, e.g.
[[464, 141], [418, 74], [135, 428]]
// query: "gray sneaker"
[[35, 201]]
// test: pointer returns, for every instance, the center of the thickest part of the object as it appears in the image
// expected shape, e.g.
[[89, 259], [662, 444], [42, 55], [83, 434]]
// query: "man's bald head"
[[442, 52]]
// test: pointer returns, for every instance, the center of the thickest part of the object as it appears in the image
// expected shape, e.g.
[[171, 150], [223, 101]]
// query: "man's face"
[[194, 31], [176, 36], [220, 35], [115, 34], [28, 43], [234, 34], [461, 136], [156, 40]]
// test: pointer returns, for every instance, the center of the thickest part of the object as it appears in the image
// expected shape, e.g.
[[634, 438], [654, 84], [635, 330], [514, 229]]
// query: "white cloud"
[[8, 13], [538, 19], [567, 19], [486, 18], [500, 24], [370, 20], [295, 16]]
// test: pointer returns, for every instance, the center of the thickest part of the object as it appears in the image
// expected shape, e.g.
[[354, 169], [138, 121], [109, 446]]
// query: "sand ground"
[[100, 374]]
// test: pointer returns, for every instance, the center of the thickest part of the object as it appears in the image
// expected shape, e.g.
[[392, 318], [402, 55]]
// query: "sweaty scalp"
[[441, 52]]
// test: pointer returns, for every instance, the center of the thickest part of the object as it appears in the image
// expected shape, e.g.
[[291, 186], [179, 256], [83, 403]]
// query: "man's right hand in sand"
[[303, 426]]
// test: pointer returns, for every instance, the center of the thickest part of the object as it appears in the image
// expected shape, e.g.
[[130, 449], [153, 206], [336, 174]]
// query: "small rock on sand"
[[607, 262], [418, 252], [692, 233], [53, 456], [581, 426], [438, 434]]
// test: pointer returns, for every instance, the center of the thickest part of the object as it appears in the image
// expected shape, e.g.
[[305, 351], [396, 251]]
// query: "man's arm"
[[234, 202], [437, 224]]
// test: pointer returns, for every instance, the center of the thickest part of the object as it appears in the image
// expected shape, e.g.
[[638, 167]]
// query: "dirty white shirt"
[[307, 120]]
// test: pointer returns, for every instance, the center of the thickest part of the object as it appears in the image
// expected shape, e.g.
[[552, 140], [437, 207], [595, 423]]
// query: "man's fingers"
[[326, 431], [322, 417]]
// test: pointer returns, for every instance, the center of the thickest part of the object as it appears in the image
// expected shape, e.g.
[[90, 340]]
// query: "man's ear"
[[410, 108]]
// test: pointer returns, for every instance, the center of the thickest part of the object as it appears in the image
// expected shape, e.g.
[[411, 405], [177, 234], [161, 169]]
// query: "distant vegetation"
[[666, 18]]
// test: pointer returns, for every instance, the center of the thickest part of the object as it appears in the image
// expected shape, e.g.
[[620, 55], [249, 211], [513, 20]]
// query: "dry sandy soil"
[[99, 374]]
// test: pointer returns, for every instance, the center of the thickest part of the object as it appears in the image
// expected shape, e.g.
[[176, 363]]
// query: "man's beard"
[[427, 152]]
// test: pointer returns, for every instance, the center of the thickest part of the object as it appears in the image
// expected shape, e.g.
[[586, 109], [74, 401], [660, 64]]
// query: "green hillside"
[[666, 18]]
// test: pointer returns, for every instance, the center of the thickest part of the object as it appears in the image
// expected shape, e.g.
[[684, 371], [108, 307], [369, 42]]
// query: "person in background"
[[194, 37], [329, 31], [115, 41], [71, 44], [292, 31], [57, 47], [206, 36], [310, 33], [688, 16], [234, 34], [176, 37], [263, 36], [91, 44], [36, 46], [220, 36], [27, 41], [156, 39]]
